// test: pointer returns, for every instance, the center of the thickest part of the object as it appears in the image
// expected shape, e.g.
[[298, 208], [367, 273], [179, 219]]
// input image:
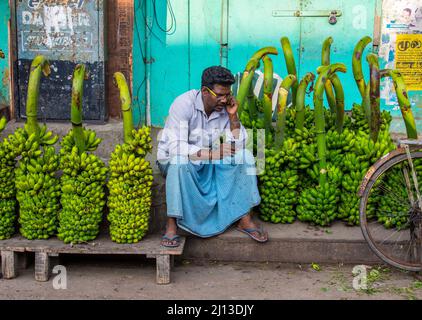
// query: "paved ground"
[[134, 278]]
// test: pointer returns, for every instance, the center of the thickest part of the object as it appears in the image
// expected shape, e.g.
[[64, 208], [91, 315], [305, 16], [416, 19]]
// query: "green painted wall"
[[4, 67], [179, 57]]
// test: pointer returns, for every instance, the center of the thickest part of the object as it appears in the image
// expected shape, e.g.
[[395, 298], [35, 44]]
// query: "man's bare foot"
[[249, 227], [170, 238]]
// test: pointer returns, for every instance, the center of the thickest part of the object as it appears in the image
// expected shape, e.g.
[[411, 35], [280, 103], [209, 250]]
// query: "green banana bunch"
[[308, 156], [130, 188], [279, 183], [83, 194], [393, 207], [3, 123], [7, 187], [38, 193], [90, 138], [349, 201], [371, 151], [330, 120], [334, 173], [291, 116], [318, 205], [359, 121], [46, 137]]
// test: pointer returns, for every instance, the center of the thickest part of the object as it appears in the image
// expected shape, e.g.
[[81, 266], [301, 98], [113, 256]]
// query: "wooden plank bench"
[[46, 249]]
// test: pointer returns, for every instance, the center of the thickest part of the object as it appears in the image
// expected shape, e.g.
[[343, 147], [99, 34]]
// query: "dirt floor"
[[101, 277]]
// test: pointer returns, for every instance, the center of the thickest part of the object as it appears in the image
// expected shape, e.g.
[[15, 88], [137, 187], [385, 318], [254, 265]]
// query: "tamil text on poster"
[[409, 59]]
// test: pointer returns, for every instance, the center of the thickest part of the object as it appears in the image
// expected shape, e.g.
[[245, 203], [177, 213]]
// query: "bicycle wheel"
[[390, 216]]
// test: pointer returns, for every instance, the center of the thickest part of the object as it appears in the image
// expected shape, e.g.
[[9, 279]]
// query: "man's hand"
[[225, 150], [232, 106]]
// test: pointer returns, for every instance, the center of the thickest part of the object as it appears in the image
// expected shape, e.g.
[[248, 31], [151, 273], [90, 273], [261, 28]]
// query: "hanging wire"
[[171, 30], [138, 37], [173, 18]]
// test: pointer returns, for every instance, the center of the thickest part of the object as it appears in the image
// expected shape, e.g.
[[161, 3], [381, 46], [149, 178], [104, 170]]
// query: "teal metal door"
[[355, 21], [306, 24], [252, 26]]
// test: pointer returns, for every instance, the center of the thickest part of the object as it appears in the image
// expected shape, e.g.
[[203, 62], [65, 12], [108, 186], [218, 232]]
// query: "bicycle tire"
[[363, 217]]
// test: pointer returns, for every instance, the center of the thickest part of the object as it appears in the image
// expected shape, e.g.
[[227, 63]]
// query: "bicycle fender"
[[375, 166]]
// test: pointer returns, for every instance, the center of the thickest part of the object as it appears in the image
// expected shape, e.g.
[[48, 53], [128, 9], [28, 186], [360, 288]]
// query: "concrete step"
[[297, 242], [292, 243]]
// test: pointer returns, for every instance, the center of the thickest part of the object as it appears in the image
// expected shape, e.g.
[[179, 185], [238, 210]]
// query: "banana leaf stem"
[[325, 73], [357, 64], [403, 99], [300, 100], [126, 104], [39, 65], [325, 61], [339, 94], [268, 91], [290, 64], [374, 96], [283, 93], [76, 107]]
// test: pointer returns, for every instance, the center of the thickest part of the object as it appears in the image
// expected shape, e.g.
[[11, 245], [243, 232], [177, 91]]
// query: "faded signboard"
[[409, 59], [65, 29], [66, 32]]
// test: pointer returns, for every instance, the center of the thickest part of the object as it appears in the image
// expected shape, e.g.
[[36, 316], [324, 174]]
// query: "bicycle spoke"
[[389, 213]]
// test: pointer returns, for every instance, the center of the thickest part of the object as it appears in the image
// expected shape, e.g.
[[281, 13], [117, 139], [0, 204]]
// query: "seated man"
[[209, 185]]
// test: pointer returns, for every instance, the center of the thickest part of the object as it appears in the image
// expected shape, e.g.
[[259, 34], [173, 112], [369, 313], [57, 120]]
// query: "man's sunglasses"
[[220, 96]]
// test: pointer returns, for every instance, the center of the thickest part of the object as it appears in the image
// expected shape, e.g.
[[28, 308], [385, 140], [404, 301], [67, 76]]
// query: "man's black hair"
[[216, 75]]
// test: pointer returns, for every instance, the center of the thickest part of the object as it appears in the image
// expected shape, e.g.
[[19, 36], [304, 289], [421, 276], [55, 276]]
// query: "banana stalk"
[[357, 64], [374, 94], [39, 65], [325, 61], [246, 82], [283, 92], [300, 99], [261, 53], [247, 76], [250, 104], [76, 107], [268, 92], [403, 99], [325, 72], [120, 82], [339, 92], [366, 103], [290, 64]]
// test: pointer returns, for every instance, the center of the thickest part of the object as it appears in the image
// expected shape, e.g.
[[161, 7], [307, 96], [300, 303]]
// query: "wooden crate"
[[45, 250]]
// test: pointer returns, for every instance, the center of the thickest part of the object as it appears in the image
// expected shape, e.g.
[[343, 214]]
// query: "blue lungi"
[[207, 198]]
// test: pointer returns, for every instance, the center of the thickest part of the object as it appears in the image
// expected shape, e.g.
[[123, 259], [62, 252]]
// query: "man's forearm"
[[203, 154], [234, 125]]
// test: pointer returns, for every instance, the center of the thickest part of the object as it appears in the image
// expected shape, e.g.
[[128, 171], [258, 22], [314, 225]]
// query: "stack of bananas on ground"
[[38, 189], [7, 186], [279, 184], [82, 184], [130, 188]]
